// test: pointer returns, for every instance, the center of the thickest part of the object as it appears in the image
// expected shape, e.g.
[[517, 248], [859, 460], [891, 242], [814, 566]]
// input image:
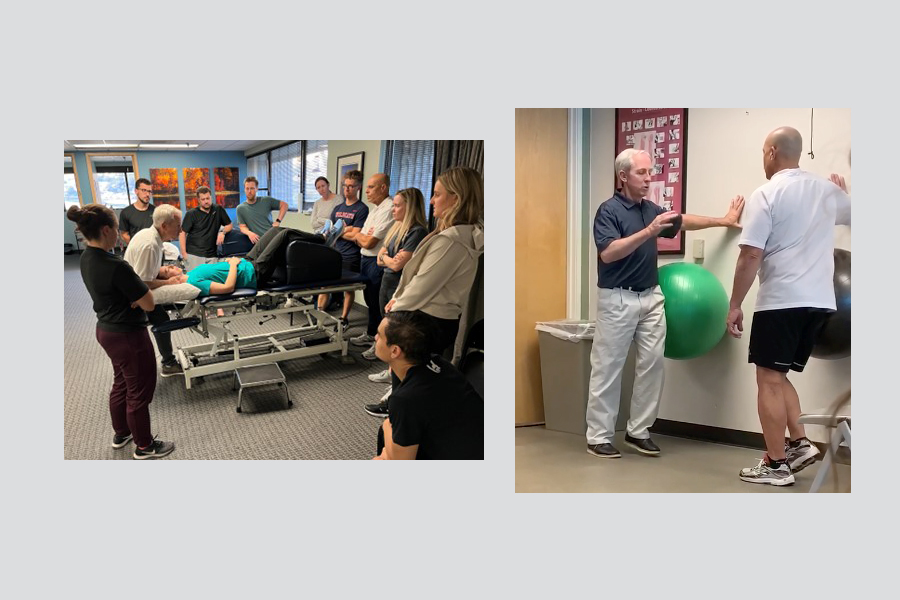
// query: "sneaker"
[[120, 441], [324, 229], [378, 410], [157, 449], [763, 473], [370, 353], [603, 450], [172, 369], [362, 340], [334, 233], [345, 323], [643, 446], [801, 456], [381, 377]]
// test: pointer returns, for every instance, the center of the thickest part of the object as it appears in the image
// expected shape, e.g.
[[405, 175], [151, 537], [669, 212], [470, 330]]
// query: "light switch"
[[698, 249]]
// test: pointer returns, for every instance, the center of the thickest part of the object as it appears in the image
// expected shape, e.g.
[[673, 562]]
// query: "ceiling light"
[[105, 145], [181, 145]]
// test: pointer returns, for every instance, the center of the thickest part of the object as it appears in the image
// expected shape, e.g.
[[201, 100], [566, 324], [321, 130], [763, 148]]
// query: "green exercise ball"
[[696, 309]]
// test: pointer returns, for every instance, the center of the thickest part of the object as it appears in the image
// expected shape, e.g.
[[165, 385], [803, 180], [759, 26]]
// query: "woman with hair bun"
[[120, 301]]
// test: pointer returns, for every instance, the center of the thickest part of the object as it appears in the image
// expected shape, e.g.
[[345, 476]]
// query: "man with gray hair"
[[145, 255], [630, 305], [788, 239]]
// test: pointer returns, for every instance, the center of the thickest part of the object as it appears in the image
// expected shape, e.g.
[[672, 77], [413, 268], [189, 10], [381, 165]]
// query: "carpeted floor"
[[327, 420]]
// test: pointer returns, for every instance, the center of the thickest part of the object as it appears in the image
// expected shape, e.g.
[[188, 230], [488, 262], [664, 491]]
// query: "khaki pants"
[[622, 317]]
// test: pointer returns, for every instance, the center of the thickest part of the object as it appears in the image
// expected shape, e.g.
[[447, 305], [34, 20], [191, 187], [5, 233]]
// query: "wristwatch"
[[278, 220]]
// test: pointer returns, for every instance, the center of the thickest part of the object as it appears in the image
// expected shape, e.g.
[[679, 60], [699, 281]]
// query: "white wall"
[[724, 158]]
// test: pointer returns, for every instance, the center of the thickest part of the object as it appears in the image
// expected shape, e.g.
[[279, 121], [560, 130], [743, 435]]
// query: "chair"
[[841, 434], [472, 362]]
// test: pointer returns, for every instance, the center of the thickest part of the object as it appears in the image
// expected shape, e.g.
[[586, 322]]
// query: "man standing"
[[435, 413], [630, 304], [369, 239], [202, 230], [788, 238], [353, 212], [138, 215], [144, 254], [254, 216]]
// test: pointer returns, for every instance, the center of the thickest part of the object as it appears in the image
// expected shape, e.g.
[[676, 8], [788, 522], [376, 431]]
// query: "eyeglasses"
[[351, 186]]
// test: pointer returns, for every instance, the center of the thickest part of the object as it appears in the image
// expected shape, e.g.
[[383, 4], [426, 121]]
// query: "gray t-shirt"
[[322, 210], [257, 216], [410, 242]]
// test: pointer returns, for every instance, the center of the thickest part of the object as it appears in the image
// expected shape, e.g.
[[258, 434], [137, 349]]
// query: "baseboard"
[[707, 433]]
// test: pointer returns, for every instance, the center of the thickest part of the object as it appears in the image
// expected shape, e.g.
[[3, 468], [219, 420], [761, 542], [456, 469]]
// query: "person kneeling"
[[433, 412]]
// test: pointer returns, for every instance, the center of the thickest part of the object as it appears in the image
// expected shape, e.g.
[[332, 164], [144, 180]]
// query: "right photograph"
[[682, 300]]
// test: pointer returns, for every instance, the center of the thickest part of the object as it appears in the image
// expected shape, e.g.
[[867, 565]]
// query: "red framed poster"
[[662, 133]]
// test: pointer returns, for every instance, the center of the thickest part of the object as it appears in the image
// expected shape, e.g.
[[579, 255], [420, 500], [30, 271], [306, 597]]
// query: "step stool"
[[258, 375]]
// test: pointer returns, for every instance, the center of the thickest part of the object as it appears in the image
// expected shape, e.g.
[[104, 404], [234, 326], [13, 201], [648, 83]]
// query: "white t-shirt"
[[382, 220], [144, 253], [792, 218]]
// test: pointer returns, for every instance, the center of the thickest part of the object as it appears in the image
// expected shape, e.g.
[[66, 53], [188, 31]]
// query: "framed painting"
[[193, 179], [228, 191], [165, 187], [662, 133]]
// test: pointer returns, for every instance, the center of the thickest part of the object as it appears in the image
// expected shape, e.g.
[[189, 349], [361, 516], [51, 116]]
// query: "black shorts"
[[783, 340], [351, 265]]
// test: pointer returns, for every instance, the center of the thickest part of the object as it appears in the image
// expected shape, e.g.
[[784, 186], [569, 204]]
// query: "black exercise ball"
[[834, 339]]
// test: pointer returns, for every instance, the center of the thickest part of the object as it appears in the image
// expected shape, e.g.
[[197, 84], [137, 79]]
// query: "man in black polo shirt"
[[138, 215], [200, 230], [433, 412], [630, 305]]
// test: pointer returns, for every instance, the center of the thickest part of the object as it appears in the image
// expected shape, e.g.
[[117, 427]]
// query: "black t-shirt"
[[113, 286], [202, 229], [436, 408], [132, 220], [354, 216]]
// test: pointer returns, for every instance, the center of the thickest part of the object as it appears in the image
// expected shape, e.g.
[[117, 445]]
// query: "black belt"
[[631, 288]]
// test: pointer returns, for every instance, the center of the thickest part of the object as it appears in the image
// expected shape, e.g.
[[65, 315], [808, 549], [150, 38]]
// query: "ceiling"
[[202, 145]]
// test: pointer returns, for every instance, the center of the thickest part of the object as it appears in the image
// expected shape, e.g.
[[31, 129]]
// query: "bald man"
[[788, 237], [370, 239]]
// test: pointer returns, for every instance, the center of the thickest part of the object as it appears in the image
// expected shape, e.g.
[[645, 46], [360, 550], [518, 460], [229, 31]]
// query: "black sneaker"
[[345, 323], [172, 369], [643, 446], [157, 449], [378, 410], [120, 441], [603, 450]]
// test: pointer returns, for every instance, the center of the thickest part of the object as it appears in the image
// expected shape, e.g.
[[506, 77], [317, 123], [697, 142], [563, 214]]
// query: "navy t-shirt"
[[619, 218], [353, 215]]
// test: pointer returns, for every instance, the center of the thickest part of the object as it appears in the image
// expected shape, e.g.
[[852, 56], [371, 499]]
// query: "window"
[[258, 166], [112, 178], [410, 163], [71, 190], [289, 172], [316, 166]]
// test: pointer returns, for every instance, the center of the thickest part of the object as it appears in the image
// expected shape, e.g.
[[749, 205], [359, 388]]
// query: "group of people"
[[787, 238], [417, 285]]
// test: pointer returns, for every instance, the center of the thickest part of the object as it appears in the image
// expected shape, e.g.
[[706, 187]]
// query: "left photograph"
[[274, 299]]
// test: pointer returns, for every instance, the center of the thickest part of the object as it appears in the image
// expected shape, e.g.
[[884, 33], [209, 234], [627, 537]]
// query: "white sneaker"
[[763, 473], [363, 339], [802, 456], [381, 377], [370, 354]]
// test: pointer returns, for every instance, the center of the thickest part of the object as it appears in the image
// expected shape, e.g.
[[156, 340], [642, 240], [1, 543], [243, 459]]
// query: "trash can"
[[565, 349]]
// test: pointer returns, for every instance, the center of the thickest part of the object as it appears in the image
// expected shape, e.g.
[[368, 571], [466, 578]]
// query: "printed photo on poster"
[[165, 187], [347, 163], [193, 179], [228, 191], [661, 133]]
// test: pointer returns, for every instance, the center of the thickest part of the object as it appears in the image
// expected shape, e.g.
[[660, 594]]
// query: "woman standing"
[[323, 207], [399, 245], [439, 276], [120, 301]]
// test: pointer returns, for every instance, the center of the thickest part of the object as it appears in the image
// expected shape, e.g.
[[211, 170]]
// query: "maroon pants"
[[134, 381]]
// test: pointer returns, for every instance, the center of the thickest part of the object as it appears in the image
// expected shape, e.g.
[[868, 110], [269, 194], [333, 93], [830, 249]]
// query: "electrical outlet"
[[698, 249]]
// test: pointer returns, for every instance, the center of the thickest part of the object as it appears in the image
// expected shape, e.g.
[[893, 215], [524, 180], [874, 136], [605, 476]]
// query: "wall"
[[157, 160], [540, 251], [724, 158]]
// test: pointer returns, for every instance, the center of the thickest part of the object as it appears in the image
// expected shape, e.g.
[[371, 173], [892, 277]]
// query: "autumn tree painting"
[[228, 191], [165, 187], [193, 179]]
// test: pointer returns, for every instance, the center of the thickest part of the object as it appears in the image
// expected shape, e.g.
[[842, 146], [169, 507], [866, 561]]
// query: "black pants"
[[372, 272], [268, 253], [163, 340]]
